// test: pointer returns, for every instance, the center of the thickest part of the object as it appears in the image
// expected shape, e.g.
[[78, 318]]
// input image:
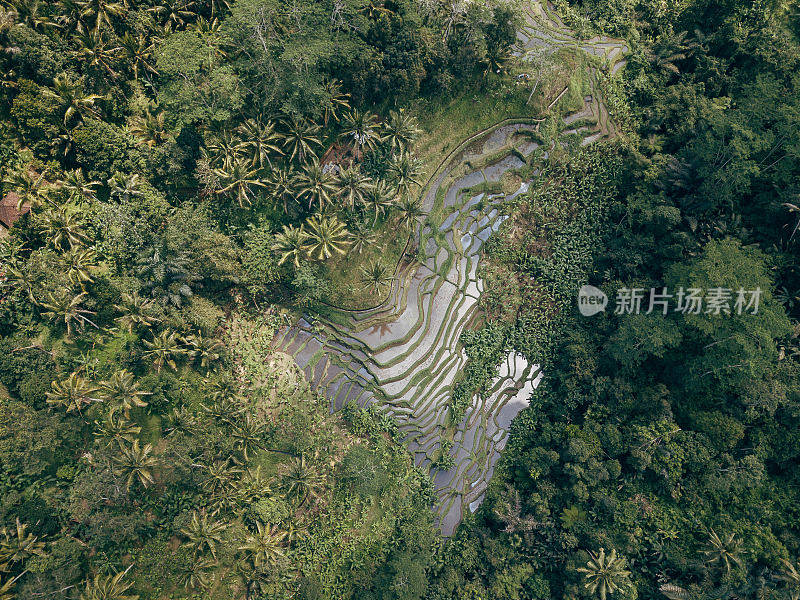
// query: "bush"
[[260, 262], [103, 149], [26, 373], [272, 510], [202, 314], [362, 475]]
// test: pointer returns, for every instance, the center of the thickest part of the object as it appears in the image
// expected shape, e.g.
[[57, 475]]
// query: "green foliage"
[[197, 87], [103, 149], [152, 443], [658, 435], [260, 263], [485, 348]]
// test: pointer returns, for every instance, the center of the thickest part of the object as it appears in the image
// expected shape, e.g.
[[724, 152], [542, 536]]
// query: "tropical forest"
[[399, 300]]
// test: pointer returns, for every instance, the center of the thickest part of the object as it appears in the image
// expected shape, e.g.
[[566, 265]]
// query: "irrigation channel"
[[404, 356]]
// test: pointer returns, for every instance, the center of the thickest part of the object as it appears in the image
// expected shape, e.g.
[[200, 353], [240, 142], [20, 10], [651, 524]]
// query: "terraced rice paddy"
[[404, 356]]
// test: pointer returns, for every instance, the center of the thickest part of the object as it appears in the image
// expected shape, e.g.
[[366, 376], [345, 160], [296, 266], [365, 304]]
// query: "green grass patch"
[[344, 275]]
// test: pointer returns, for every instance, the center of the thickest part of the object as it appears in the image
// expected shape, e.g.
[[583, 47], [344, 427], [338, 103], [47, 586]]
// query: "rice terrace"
[[403, 354], [399, 300]]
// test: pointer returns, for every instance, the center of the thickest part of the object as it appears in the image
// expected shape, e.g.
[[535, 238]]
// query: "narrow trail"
[[403, 355]]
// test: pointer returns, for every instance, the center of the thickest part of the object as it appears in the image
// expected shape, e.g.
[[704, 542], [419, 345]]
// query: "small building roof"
[[8, 210]]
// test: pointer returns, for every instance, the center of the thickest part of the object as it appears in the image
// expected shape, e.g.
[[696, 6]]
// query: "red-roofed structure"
[[9, 214]]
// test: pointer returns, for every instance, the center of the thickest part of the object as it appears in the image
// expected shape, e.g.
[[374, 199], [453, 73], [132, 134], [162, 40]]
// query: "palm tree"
[[68, 16], [136, 311], [401, 130], [17, 545], [22, 280], [316, 185], [790, 575], [259, 140], [163, 350], [223, 149], [605, 574], [195, 573], [668, 49], [135, 463], [11, 248], [219, 6], [204, 533], [300, 481], [282, 186], [249, 434], [221, 384], [179, 420], [723, 552], [379, 199], [116, 428], [361, 128], [497, 61], [108, 587], [264, 546], [122, 392], [205, 350], [30, 13], [376, 276], [353, 186], [456, 11], [327, 236], [239, 179], [219, 476], [175, 13], [63, 226], [300, 138], [374, 10], [335, 101], [67, 308], [93, 48], [78, 187], [149, 128], [124, 186], [166, 273], [362, 237], [32, 189], [72, 100], [8, 18], [793, 208], [73, 393], [7, 587], [62, 144], [290, 243], [138, 53], [252, 484], [404, 171], [295, 530], [206, 27], [408, 211], [79, 264], [102, 11]]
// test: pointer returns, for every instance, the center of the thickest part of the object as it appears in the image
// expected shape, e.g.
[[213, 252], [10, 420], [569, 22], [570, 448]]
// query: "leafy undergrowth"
[[534, 263], [246, 487]]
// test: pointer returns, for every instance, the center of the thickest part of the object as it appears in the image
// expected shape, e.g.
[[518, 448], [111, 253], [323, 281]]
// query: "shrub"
[[202, 314], [103, 149]]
